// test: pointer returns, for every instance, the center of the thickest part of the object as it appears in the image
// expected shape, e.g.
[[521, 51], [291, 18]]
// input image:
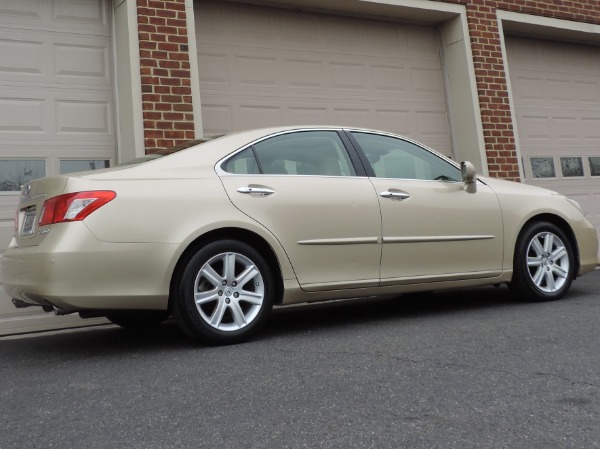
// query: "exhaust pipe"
[[20, 304]]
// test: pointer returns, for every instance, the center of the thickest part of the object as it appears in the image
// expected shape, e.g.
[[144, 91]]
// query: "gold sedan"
[[219, 233]]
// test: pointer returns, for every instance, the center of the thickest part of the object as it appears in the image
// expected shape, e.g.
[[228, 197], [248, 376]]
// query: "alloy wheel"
[[229, 291], [547, 262]]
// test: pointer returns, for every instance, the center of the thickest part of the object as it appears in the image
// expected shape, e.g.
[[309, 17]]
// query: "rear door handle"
[[395, 195], [261, 191]]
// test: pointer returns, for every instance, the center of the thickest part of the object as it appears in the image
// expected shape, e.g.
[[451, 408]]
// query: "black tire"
[[234, 306], [551, 267], [138, 320]]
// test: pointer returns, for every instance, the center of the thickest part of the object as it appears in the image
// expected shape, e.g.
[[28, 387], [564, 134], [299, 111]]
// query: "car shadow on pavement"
[[111, 341], [329, 315], [387, 308]]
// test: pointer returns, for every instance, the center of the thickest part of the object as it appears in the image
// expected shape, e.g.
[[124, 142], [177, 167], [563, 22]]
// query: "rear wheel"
[[138, 320], [225, 293], [544, 263]]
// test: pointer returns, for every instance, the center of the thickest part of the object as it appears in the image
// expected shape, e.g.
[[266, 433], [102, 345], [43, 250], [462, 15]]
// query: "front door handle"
[[260, 191], [395, 194]]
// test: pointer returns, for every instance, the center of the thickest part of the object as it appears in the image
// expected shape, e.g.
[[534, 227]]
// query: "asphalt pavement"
[[462, 369]]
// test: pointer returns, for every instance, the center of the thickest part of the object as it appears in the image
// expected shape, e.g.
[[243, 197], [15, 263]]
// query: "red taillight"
[[73, 206]]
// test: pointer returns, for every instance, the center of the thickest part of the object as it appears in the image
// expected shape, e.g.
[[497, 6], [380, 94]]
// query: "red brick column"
[[165, 73], [492, 89]]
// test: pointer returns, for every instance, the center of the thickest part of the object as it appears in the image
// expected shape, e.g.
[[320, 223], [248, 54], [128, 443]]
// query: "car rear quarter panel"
[[176, 211]]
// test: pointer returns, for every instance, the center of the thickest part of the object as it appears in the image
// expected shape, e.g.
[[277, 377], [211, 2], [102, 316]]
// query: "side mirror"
[[468, 173]]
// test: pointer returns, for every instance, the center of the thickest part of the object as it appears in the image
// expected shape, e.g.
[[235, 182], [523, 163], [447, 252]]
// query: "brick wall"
[[167, 102], [165, 73]]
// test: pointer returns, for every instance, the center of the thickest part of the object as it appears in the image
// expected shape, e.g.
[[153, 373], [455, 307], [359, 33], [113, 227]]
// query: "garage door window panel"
[[571, 166], [594, 166], [77, 165], [542, 167], [14, 173]]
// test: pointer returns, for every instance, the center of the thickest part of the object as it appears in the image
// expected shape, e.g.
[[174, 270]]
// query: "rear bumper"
[[73, 270]]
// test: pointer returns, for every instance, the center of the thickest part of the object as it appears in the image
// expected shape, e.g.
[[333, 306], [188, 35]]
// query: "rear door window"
[[315, 153]]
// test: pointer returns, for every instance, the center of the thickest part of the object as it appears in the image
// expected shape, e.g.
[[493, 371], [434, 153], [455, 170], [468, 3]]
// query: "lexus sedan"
[[217, 234]]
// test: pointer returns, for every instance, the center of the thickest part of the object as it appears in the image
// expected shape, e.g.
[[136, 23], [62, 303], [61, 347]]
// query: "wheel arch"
[[231, 233], [563, 225]]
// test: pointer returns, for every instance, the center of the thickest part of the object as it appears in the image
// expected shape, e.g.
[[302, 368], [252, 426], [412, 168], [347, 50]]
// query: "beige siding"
[[556, 91], [265, 66]]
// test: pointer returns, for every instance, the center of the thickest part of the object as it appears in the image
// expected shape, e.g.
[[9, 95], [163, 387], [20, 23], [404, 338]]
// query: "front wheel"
[[544, 263], [225, 293]]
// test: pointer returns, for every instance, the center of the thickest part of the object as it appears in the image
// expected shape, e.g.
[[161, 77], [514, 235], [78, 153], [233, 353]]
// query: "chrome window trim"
[[221, 173]]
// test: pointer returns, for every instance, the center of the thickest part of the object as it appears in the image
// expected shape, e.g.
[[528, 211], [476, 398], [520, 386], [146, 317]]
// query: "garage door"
[[56, 108], [266, 67], [556, 90]]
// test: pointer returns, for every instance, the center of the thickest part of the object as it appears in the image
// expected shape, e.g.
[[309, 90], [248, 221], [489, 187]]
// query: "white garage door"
[[56, 108], [265, 67], [556, 90]]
